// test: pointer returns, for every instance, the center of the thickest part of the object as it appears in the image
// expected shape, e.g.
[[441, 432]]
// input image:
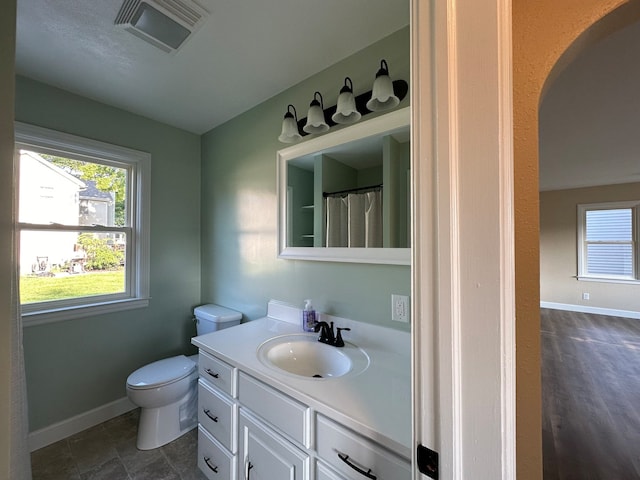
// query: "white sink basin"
[[302, 355]]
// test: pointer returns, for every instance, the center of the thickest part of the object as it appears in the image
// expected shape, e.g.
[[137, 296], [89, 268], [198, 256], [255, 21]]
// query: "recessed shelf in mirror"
[[345, 196]]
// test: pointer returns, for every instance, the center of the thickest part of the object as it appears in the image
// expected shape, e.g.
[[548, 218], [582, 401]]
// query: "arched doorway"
[[589, 328], [542, 32]]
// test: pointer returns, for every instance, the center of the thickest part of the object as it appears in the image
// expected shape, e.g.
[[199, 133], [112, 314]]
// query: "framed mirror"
[[345, 196]]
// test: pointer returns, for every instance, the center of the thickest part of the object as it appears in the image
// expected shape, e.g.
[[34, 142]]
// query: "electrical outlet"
[[400, 308], [585, 296]]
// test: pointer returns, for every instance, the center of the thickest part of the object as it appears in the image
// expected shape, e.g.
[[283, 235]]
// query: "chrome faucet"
[[327, 336]]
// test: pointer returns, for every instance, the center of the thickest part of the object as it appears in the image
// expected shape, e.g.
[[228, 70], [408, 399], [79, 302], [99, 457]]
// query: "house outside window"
[[83, 226], [608, 241]]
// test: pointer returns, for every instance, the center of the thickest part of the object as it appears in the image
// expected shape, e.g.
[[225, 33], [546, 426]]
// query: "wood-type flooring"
[[590, 396]]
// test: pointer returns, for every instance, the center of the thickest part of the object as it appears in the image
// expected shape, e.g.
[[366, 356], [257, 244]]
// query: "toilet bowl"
[[167, 390]]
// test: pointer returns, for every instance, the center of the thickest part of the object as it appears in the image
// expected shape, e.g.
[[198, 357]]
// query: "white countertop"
[[375, 403]]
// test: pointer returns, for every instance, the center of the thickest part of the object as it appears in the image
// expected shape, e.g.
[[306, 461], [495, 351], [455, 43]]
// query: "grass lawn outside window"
[[34, 288]]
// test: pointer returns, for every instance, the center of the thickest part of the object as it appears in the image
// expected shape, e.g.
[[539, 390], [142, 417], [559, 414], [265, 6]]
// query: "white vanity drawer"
[[214, 461], [218, 415], [325, 473], [357, 457], [217, 372], [282, 411]]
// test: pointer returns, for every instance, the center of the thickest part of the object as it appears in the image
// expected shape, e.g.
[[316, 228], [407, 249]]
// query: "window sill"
[[53, 315], [629, 281]]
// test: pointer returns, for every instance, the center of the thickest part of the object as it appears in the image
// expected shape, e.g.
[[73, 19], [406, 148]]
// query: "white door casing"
[[463, 257]]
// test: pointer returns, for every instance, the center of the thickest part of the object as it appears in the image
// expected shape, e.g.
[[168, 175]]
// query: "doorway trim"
[[463, 276]]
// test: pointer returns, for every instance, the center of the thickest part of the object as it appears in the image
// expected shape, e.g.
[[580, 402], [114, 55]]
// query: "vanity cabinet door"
[[265, 455]]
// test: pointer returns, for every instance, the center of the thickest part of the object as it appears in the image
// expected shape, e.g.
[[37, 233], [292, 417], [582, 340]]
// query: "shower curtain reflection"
[[354, 218]]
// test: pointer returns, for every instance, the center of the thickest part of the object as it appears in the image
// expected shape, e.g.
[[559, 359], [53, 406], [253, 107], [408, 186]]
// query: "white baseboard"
[[585, 309], [58, 431]]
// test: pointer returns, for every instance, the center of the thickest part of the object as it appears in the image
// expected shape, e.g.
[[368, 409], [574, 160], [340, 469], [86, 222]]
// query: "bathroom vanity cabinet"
[[250, 430], [257, 423]]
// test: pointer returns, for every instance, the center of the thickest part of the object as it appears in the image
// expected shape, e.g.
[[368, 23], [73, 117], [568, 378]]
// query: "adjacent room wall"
[[542, 32], [559, 257], [78, 365], [239, 208]]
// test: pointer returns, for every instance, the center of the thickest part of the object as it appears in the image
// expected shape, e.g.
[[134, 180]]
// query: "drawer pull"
[[247, 470], [212, 373], [213, 468], [345, 459], [208, 414]]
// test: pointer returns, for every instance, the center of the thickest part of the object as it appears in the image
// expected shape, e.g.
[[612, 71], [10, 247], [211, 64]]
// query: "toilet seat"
[[160, 373]]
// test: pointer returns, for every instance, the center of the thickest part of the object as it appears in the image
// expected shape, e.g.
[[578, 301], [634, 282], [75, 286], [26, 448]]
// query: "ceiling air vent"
[[166, 24]]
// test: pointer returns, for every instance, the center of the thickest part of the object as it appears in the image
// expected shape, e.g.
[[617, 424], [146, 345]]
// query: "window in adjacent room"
[[83, 225], [608, 241]]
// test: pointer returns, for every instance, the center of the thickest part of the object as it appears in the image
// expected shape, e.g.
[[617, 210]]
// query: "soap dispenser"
[[308, 317]]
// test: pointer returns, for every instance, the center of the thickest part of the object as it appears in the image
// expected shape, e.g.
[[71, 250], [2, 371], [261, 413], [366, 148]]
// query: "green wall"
[[240, 268], [8, 347], [213, 238], [77, 365]]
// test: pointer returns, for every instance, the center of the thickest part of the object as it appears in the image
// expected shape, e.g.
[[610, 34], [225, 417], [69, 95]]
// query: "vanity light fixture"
[[290, 132], [316, 122], [346, 111], [386, 94], [382, 96]]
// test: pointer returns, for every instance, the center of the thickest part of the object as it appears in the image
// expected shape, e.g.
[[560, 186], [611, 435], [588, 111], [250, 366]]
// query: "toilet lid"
[[161, 373]]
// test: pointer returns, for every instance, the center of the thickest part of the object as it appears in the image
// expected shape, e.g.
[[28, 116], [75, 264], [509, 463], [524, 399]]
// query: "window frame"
[[582, 241], [137, 269]]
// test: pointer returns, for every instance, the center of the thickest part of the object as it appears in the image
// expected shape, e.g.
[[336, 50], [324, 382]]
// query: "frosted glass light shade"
[[382, 96], [315, 118], [346, 110], [290, 133]]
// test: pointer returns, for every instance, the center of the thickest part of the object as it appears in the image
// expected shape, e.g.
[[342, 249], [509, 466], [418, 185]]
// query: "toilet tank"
[[211, 317]]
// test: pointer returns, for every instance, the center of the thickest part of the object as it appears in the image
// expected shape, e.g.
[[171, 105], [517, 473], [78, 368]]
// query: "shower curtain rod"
[[351, 190]]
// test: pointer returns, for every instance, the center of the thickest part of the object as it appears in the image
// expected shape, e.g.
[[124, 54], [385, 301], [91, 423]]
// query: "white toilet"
[[167, 390]]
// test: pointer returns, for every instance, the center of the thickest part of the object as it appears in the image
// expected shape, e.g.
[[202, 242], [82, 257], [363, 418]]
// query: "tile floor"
[[108, 451]]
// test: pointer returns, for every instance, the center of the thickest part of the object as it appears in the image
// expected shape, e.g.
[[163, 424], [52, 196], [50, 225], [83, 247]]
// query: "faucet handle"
[[326, 332], [339, 342]]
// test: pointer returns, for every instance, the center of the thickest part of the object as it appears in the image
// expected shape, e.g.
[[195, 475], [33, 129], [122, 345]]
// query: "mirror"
[[345, 196]]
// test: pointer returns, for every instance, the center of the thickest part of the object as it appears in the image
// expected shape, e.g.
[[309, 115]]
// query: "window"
[[608, 246], [83, 225]]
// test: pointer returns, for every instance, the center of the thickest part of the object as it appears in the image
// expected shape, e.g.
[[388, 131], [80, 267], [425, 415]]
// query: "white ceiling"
[[246, 52], [590, 117]]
